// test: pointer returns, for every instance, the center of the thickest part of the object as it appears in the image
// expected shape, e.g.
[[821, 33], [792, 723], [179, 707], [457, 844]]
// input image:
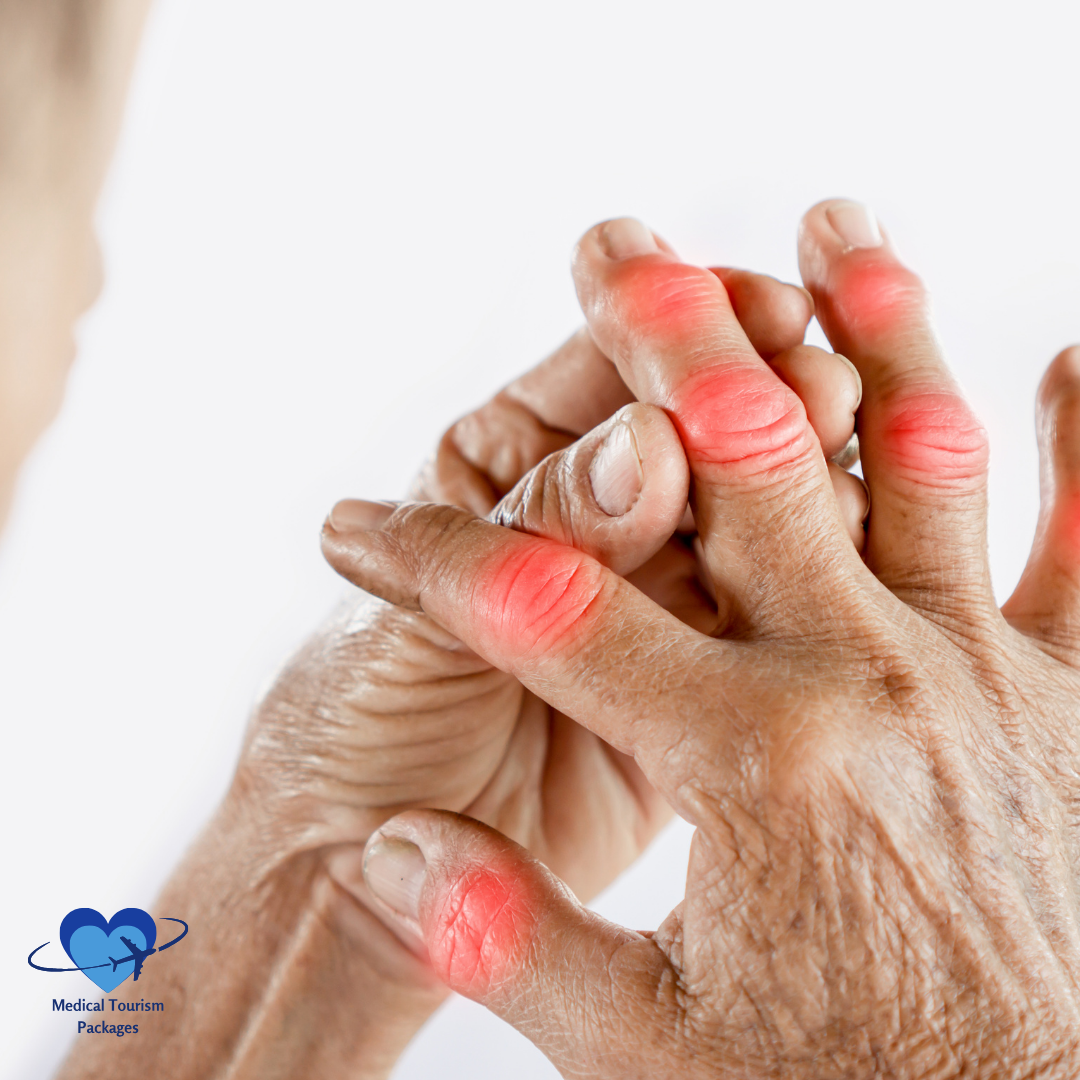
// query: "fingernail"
[[394, 871], [855, 224], [847, 457], [615, 472], [626, 237], [357, 515], [858, 380]]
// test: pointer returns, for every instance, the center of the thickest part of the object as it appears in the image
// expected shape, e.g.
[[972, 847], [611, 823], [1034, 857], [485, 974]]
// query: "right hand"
[[884, 771]]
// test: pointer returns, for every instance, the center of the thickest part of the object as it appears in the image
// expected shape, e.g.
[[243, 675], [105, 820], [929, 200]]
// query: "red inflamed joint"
[[536, 597], [740, 415], [479, 930], [936, 439], [1065, 525], [670, 299], [874, 297]]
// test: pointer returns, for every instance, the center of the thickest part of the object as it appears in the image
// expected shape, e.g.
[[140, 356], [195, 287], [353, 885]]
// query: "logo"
[[109, 951]]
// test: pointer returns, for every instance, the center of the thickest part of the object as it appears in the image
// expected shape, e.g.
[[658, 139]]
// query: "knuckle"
[[935, 438], [876, 295], [663, 299], [503, 439], [741, 417], [481, 930], [539, 597], [539, 504]]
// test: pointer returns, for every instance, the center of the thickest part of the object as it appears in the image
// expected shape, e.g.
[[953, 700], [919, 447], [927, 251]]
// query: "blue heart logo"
[[93, 942]]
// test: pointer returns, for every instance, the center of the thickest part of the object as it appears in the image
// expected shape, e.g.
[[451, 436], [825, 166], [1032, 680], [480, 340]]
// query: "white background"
[[334, 226]]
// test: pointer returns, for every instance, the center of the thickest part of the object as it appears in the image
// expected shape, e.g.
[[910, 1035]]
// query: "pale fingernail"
[[394, 871], [624, 238], [858, 381], [855, 224], [849, 455], [358, 515], [615, 472]]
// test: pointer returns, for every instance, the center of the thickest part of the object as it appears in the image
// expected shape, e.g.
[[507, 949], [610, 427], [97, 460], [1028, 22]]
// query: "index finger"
[[572, 631]]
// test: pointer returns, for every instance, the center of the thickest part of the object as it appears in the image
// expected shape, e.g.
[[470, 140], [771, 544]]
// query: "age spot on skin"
[[737, 415], [537, 596], [937, 439], [480, 927]]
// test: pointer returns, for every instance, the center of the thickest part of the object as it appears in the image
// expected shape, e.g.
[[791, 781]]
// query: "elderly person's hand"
[[883, 770], [383, 710]]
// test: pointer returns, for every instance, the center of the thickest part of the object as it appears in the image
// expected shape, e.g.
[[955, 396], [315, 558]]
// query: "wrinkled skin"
[[882, 768], [384, 709]]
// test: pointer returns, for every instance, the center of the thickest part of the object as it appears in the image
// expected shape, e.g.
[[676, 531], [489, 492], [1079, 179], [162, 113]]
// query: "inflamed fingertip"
[[671, 299], [875, 296]]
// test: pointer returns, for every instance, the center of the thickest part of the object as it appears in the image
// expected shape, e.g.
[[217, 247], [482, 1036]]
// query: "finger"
[[574, 389], [854, 503], [1046, 601], [770, 528], [830, 389], [924, 452], [486, 453], [773, 314], [572, 631], [617, 494], [502, 930]]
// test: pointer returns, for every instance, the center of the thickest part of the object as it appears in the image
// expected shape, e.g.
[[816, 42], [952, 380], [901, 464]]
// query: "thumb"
[[502, 930]]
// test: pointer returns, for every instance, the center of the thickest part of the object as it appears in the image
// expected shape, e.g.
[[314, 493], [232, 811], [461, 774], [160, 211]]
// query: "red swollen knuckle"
[[878, 296], [741, 418], [935, 438], [669, 299], [480, 930], [538, 597]]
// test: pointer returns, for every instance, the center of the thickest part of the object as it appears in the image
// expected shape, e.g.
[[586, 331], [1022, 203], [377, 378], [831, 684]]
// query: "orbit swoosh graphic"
[[112, 950]]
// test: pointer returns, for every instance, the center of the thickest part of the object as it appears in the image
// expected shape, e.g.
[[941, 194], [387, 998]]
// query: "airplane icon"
[[137, 954]]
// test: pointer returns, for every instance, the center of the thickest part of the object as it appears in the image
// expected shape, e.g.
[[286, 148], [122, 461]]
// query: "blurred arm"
[[64, 70]]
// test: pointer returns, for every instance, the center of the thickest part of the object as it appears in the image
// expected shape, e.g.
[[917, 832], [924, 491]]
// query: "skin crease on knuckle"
[[936, 439], [876, 295], [667, 301], [479, 929], [732, 414], [740, 419], [535, 598]]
